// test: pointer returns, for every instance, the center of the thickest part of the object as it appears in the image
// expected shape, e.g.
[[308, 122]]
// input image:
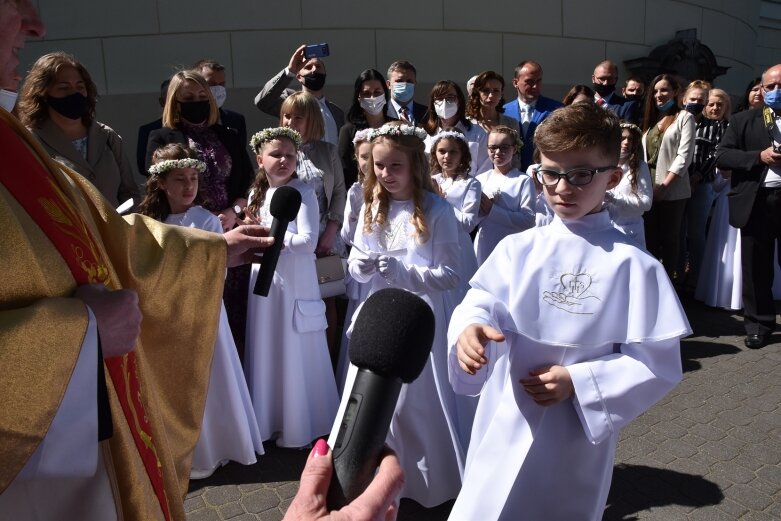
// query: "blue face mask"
[[667, 105], [403, 91], [773, 99]]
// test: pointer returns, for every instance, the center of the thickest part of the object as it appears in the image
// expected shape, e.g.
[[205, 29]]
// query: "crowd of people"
[[611, 190]]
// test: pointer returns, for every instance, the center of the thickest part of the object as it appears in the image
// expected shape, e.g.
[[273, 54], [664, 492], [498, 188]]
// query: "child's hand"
[[250, 219], [548, 385], [486, 203], [470, 346]]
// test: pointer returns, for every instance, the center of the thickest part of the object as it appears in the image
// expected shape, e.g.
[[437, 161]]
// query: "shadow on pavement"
[[693, 350], [637, 488]]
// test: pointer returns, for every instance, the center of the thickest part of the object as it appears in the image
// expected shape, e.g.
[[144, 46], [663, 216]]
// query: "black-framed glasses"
[[575, 177]]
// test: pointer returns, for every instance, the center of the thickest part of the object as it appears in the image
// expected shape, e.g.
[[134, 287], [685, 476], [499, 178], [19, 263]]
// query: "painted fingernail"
[[320, 448]]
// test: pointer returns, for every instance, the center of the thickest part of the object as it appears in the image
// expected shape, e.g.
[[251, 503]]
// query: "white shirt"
[[331, 132]]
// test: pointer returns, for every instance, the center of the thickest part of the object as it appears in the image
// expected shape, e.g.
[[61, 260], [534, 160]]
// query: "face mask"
[[314, 81], [403, 91], [667, 105], [773, 99], [219, 93], [195, 111], [634, 97], [604, 90], [372, 105], [73, 106], [445, 109], [695, 109], [8, 99]]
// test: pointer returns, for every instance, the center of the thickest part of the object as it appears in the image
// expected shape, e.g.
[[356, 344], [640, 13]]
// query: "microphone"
[[390, 345], [283, 207]]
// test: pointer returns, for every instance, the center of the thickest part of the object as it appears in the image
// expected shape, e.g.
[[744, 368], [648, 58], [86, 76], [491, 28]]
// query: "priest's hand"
[[548, 385], [377, 503], [471, 346], [244, 242], [117, 314]]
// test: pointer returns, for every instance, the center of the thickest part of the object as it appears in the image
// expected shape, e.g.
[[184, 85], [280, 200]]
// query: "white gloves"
[[365, 265], [388, 267]]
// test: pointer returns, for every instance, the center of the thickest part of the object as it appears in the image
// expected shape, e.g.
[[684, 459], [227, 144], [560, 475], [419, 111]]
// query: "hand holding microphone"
[[283, 207]]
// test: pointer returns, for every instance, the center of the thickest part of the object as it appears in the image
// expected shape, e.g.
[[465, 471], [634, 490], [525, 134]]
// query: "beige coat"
[[326, 157], [107, 166], [675, 154]]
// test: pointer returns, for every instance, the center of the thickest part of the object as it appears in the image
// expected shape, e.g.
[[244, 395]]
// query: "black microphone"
[[283, 207], [390, 344]]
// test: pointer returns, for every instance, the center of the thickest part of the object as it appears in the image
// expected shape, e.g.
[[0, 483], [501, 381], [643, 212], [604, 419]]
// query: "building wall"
[[131, 46]]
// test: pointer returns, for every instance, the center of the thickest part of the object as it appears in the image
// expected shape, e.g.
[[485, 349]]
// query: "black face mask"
[[73, 106], [604, 90], [314, 81], [195, 111], [695, 109], [635, 97]]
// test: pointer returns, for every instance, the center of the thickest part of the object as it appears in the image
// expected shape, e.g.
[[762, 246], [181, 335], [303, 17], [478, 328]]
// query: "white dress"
[[287, 362], [477, 140], [229, 430], [720, 282], [423, 430], [356, 291], [512, 211], [627, 208], [561, 295]]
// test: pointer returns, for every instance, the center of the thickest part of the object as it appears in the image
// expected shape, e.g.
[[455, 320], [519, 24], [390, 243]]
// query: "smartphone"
[[316, 50]]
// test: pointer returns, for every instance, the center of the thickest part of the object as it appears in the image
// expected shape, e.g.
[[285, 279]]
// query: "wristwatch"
[[237, 210]]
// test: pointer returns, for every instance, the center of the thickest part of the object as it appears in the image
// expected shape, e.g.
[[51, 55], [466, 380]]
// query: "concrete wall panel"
[[208, 15], [88, 52], [91, 18], [521, 16], [619, 20], [361, 15]]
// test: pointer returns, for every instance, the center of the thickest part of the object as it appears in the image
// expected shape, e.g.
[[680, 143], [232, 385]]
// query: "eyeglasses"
[[575, 177], [492, 149]]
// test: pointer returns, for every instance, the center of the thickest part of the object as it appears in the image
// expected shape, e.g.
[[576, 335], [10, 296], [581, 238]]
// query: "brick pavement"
[[709, 450]]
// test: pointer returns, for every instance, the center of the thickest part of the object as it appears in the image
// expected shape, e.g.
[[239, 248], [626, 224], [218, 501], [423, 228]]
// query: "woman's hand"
[[325, 245]]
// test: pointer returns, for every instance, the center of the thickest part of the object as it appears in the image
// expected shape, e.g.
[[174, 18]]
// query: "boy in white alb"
[[572, 332]]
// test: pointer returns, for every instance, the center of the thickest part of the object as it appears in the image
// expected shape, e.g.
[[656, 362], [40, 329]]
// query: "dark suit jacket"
[[542, 108], [276, 90], [143, 141], [627, 110], [234, 121], [745, 137], [241, 174], [419, 112]]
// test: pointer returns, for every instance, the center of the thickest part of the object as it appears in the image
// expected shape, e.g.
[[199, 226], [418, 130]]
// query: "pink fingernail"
[[320, 448]]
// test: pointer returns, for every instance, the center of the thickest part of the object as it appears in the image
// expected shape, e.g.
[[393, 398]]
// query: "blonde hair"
[[172, 109], [377, 199], [305, 105], [724, 97]]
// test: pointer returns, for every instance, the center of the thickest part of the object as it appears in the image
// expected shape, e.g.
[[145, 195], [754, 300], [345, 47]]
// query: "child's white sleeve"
[[304, 240], [613, 390], [523, 216], [470, 206]]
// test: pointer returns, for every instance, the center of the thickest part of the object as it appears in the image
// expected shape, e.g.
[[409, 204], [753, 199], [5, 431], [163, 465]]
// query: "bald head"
[[528, 81]]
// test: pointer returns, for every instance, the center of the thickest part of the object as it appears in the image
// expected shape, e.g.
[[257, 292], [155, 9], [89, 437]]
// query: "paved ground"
[[710, 450]]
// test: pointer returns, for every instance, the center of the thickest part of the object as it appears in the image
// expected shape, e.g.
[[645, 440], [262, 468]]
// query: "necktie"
[[526, 117], [404, 114]]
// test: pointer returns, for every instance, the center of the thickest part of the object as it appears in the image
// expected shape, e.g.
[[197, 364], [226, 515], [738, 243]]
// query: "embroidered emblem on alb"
[[574, 296]]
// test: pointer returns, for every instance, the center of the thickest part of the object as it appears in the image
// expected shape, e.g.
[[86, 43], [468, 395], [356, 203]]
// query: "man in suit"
[[634, 89], [402, 78], [751, 149], [214, 74], [530, 108], [604, 79], [145, 130], [310, 73]]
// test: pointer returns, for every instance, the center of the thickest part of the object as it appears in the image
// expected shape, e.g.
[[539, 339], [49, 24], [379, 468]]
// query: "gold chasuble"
[[178, 274]]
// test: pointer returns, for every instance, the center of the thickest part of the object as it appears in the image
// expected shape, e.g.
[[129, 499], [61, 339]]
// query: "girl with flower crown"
[[229, 430], [446, 109], [408, 238], [628, 201], [287, 362], [507, 204]]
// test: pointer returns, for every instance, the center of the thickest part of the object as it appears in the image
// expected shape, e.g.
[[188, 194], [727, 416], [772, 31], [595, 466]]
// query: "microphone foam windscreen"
[[392, 335], [285, 203]]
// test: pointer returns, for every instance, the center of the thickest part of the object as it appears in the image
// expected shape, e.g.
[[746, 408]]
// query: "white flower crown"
[[269, 134], [398, 130], [631, 126], [172, 164], [450, 134], [362, 135]]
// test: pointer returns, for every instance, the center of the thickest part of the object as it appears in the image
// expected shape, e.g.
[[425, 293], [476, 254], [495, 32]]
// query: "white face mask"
[[219, 93], [445, 109], [8, 99], [372, 105]]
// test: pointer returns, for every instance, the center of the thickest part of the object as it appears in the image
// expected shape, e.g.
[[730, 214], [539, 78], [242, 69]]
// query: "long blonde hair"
[[377, 199]]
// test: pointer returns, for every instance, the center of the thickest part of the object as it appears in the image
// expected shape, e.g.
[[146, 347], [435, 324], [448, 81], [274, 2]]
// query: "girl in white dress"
[[407, 237], [447, 109], [229, 430], [356, 291], [633, 196], [287, 362], [507, 204]]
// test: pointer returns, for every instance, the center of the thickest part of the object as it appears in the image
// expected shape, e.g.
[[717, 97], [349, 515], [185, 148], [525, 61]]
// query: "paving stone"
[[287, 491], [251, 487], [194, 503], [260, 501], [222, 495], [750, 497], [271, 515], [244, 517], [231, 510], [734, 473], [728, 506], [205, 514]]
